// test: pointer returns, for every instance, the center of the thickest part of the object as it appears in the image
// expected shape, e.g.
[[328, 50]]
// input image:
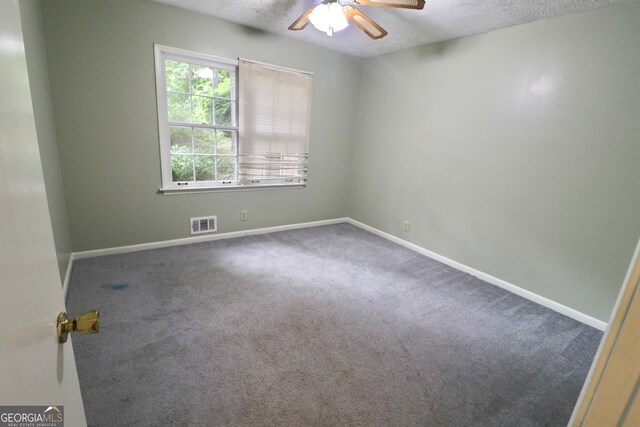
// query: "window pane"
[[178, 107], [225, 142], [226, 168], [224, 84], [201, 80], [205, 168], [182, 168], [205, 140], [177, 76], [180, 140], [223, 112], [200, 96], [202, 110]]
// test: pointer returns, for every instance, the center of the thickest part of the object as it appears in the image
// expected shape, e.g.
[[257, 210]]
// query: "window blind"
[[275, 114]]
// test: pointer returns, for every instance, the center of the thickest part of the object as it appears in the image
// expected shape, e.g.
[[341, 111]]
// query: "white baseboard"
[[546, 302], [199, 239]]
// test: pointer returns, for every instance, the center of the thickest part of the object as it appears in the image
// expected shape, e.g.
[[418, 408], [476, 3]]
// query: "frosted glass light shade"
[[328, 18]]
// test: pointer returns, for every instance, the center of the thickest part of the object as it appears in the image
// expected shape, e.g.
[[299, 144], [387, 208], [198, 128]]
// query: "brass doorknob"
[[86, 323]]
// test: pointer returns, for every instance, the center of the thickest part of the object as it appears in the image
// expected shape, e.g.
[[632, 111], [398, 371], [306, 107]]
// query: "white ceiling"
[[440, 19]]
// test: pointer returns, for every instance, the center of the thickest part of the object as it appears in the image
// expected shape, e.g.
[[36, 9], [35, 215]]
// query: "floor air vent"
[[204, 224]]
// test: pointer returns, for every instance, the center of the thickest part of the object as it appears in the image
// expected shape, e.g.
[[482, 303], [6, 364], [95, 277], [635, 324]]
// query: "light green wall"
[[31, 17], [100, 56], [514, 152]]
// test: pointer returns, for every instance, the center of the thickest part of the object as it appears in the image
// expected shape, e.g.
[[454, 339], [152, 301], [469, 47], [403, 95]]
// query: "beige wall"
[[514, 152], [31, 16], [100, 56]]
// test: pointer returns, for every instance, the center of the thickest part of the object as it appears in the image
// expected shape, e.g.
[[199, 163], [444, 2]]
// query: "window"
[[198, 119], [204, 146], [274, 128]]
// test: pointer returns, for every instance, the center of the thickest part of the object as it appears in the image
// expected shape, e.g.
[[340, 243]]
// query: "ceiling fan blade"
[[302, 21], [406, 4], [365, 23]]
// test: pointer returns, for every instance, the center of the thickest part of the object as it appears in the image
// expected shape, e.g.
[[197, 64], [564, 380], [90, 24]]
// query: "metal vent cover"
[[204, 224]]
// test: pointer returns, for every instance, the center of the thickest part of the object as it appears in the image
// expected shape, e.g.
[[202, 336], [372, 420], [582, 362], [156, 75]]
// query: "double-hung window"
[[215, 135], [198, 119]]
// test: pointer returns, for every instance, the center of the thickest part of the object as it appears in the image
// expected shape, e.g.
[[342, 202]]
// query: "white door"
[[34, 368]]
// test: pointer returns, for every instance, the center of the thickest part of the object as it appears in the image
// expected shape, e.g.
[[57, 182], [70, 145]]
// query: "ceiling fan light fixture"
[[328, 18]]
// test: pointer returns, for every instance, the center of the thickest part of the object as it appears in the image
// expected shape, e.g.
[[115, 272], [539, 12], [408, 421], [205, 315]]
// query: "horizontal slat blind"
[[275, 113]]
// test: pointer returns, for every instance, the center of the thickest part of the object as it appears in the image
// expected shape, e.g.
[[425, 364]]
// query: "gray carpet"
[[322, 326]]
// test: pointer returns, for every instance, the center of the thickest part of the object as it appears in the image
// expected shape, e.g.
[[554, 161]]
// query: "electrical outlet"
[[243, 215], [405, 226]]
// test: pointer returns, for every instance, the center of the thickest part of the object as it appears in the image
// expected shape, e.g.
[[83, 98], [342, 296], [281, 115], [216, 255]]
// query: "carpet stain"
[[116, 285]]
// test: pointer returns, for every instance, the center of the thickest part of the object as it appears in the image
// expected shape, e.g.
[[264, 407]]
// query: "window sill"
[[193, 190]]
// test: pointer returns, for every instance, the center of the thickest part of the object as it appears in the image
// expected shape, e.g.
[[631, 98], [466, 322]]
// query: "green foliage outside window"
[[205, 168], [198, 95]]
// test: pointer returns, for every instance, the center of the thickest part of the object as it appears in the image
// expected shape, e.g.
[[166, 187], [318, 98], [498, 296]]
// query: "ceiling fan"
[[330, 16]]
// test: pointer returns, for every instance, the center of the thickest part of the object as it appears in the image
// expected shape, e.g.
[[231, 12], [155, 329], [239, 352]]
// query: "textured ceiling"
[[440, 19]]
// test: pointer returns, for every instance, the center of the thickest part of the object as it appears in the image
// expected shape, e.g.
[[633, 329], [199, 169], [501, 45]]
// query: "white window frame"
[[162, 53]]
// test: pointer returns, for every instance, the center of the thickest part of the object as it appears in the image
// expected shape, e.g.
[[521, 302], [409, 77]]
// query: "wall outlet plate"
[[405, 226], [243, 215]]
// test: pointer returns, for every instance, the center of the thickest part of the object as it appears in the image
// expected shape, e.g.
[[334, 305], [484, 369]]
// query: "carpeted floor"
[[321, 326]]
